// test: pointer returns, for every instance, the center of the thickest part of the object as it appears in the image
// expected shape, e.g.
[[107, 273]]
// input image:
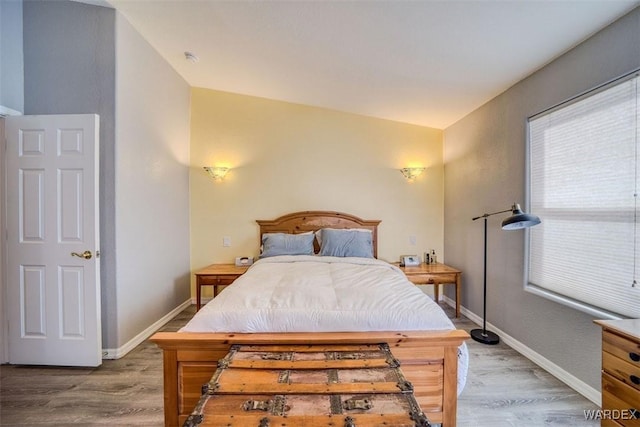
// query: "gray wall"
[[11, 61], [484, 155], [69, 68], [81, 58]]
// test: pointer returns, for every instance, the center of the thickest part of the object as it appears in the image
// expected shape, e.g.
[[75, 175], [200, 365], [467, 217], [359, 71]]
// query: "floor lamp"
[[516, 221]]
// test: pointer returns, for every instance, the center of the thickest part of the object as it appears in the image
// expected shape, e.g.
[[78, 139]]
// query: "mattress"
[[323, 294]]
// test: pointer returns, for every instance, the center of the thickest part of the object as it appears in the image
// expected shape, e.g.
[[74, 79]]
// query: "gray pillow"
[[346, 243], [274, 244]]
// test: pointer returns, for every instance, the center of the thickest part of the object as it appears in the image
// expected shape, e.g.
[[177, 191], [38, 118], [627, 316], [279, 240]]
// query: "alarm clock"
[[409, 260], [244, 261]]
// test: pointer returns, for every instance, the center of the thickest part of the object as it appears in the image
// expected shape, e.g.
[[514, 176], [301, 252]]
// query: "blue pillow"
[[274, 244], [346, 243]]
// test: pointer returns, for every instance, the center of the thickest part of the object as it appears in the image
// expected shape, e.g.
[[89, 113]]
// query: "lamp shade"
[[519, 219], [217, 172]]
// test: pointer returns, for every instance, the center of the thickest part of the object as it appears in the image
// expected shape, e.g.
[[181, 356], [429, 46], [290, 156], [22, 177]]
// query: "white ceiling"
[[424, 62]]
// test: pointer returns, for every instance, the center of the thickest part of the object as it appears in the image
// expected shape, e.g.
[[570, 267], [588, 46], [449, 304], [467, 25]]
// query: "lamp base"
[[485, 337]]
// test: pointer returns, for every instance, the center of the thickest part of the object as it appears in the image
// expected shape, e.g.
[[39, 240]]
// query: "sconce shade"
[[216, 172], [519, 219], [411, 173]]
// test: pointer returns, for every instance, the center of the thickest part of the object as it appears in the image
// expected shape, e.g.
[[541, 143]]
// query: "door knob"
[[85, 254]]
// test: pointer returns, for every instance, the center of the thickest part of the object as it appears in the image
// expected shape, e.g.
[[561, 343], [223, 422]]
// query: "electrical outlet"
[[226, 241], [412, 240]]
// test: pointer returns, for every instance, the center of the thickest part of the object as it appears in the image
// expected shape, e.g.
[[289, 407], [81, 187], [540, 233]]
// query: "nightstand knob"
[[635, 357], [634, 379]]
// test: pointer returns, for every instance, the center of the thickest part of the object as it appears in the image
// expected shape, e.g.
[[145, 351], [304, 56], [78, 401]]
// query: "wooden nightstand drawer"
[[227, 280], [208, 280], [217, 280], [431, 279]]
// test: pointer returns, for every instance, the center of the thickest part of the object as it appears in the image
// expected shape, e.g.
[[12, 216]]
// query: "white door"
[[53, 269]]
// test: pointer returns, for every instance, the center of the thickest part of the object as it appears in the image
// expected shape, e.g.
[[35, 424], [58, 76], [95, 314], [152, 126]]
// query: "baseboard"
[[6, 111], [572, 381], [117, 353]]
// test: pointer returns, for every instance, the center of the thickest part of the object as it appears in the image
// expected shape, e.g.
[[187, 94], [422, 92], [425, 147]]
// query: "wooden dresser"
[[620, 372]]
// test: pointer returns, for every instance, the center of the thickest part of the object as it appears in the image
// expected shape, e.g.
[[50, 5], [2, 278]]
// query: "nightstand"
[[216, 275], [436, 275]]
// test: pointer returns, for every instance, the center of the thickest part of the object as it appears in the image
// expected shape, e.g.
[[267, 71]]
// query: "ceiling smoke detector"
[[191, 57]]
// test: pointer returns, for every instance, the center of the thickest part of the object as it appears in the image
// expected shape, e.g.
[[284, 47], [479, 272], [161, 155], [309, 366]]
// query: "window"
[[583, 183]]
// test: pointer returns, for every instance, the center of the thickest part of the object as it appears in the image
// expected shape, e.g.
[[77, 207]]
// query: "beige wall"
[[288, 157]]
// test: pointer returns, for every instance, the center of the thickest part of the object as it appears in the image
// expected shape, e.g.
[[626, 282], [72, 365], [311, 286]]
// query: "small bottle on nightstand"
[[434, 259], [426, 258]]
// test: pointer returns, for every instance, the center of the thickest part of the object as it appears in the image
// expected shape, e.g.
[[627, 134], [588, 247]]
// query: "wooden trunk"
[[308, 385], [429, 360]]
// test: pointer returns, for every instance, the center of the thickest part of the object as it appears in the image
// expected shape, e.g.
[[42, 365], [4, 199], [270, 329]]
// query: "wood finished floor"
[[503, 389]]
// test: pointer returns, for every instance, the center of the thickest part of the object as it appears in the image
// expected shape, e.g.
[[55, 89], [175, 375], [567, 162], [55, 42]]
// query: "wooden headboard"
[[301, 222]]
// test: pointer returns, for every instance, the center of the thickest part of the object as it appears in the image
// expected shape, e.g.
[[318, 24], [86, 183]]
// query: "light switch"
[[226, 241]]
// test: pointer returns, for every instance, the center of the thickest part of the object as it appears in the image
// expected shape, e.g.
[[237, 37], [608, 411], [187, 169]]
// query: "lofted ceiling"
[[428, 63]]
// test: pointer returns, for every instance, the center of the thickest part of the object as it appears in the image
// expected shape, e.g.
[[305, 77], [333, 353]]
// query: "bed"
[[432, 352]]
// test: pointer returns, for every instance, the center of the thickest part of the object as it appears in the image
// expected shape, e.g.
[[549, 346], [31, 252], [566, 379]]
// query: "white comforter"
[[323, 294]]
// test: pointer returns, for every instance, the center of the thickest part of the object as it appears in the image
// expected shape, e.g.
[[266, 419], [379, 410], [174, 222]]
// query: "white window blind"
[[583, 163]]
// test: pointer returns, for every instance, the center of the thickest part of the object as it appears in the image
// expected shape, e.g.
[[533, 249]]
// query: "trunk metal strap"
[[353, 403]]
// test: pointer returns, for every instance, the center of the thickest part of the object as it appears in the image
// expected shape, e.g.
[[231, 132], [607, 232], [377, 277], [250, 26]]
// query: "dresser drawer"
[[628, 373], [623, 400], [628, 396], [621, 347], [431, 279]]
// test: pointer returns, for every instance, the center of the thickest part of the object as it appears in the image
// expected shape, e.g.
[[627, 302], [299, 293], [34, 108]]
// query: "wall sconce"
[[216, 172], [411, 173]]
